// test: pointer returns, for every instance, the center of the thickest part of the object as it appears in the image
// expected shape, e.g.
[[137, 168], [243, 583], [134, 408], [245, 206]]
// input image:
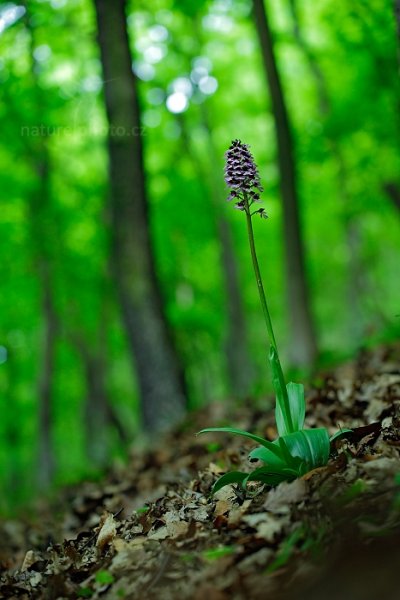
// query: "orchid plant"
[[297, 450]]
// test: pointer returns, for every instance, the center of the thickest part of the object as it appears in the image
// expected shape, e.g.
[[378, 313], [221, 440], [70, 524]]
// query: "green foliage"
[[345, 155], [104, 577], [290, 456], [286, 549], [85, 592], [216, 553]]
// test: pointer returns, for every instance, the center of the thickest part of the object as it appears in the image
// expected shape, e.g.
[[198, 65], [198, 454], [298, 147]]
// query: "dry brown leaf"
[[374, 409], [177, 529], [159, 534], [29, 560], [285, 494], [266, 525], [313, 472], [222, 508], [200, 514], [108, 531], [128, 554]]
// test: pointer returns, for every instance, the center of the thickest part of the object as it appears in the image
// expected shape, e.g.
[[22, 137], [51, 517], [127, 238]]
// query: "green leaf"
[[297, 404], [104, 577], [215, 553], [339, 434], [271, 476], [264, 454], [228, 479], [85, 592], [291, 461], [282, 411], [311, 445], [270, 445], [297, 409]]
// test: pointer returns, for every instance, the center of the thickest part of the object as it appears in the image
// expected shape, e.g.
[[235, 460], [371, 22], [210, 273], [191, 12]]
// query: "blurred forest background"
[[127, 294]]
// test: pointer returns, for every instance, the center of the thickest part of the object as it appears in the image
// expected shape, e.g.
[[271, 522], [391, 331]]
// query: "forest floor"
[[151, 530]]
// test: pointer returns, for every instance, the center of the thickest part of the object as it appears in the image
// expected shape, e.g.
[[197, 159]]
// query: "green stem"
[[257, 273], [280, 381]]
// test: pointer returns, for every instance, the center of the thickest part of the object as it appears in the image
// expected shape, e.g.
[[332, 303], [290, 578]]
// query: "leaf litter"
[[152, 530]]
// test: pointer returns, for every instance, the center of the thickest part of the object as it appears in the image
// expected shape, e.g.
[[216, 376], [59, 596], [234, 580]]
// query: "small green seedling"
[[297, 450], [216, 553], [104, 577]]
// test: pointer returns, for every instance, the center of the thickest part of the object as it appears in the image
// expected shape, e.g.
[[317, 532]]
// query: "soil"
[[151, 529]]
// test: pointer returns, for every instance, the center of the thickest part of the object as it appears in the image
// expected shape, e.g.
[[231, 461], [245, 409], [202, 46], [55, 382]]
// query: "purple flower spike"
[[242, 177]]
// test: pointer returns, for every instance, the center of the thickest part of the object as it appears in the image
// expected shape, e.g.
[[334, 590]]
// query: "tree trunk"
[[302, 344], [158, 371], [46, 456], [397, 15], [41, 227], [13, 437], [393, 192], [356, 277], [99, 414]]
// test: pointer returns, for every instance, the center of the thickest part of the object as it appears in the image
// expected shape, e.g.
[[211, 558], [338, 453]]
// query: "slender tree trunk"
[[45, 394], [13, 438], [356, 279], [99, 414], [396, 4], [96, 410], [157, 366], [40, 219], [393, 192], [302, 345]]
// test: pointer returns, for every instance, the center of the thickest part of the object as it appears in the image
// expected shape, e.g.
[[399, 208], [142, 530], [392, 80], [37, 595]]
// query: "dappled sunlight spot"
[[9, 14], [141, 44], [57, 4], [92, 83], [198, 73], [202, 62], [177, 102], [42, 53], [221, 23], [153, 54], [208, 85], [143, 70], [182, 85], [64, 72], [158, 33]]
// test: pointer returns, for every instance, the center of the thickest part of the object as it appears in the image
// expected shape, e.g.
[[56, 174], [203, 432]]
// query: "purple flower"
[[242, 177]]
